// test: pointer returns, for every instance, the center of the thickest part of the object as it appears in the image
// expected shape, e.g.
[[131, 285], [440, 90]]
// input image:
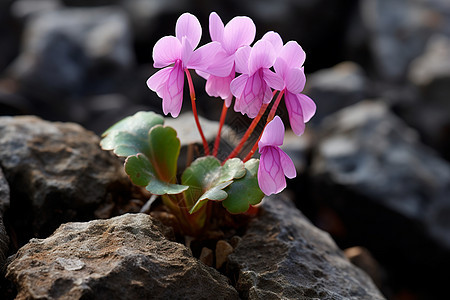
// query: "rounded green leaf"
[[245, 191]]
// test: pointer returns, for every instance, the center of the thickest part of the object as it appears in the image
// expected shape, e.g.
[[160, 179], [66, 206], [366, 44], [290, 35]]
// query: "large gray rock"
[[125, 257], [390, 191], [397, 31], [56, 173], [283, 256], [4, 204]]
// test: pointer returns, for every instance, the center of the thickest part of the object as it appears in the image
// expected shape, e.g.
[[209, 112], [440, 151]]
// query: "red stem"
[[222, 121], [270, 117], [194, 111]]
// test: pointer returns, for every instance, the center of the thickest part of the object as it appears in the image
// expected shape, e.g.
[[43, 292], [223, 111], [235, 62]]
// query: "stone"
[[430, 72], [4, 204], [389, 190], [397, 32], [363, 259], [56, 173], [9, 34], [223, 249], [207, 256], [71, 53], [335, 88], [4, 193], [125, 257], [283, 256]]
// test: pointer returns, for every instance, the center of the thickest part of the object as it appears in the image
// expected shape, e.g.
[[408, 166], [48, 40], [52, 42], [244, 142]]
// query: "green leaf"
[[245, 191], [142, 173], [130, 135], [207, 180]]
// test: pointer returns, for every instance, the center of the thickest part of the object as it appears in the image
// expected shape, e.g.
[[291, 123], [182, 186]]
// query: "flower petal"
[[273, 134], [262, 55], [271, 178], [237, 85], [295, 80], [158, 80], [173, 93], [293, 54], [186, 51], [216, 27], [252, 97], [222, 64], [188, 26], [287, 165], [219, 86], [274, 80], [240, 31], [166, 51], [295, 112], [241, 59], [202, 58], [275, 39], [308, 107]]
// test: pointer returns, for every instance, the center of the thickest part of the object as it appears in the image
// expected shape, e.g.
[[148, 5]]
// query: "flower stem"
[[249, 130], [194, 111], [270, 117], [222, 121]]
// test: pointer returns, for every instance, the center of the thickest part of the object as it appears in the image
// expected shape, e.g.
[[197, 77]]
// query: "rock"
[[390, 192], [207, 256], [398, 30], [56, 173], [362, 258], [430, 72], [71, 53], [4, 204], [283, 256], [4, 193], [126, 257], [22, 9], [335, 88], [223, 249], [9, 35]]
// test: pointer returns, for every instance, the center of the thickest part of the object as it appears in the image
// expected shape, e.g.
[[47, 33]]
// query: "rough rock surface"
[[283, 256], [125, 257], [56, 173], [391, 192], [4, 204]]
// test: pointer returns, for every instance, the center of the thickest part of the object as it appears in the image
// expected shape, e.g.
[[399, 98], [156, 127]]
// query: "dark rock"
[[397, 31], [125, 257], [283, 256], [4, 204], [56, 172], [430, 72], [363, 259], [23, 9], [4, 193], [390, 192], [71, 53], [335, 88]]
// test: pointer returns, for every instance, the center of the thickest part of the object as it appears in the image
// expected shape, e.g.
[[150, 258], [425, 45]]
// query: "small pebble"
[[223, 249]]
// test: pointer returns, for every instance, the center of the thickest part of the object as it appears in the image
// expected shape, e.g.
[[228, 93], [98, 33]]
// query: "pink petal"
[[268, 94], [240, 31], [287, 165], [241, 59], [295, 80], [202, 74], [188, 26], [295, 112], [293, 54], [158, 81], [202, 58], [166, 51], [219, 86], [274, 80], [222, 64], [173, 93], [273, 134], [253, 95], [262, 55], [215, 27], [237, 85], [186, 51], [275, 39], [271, 178], [308, 106]]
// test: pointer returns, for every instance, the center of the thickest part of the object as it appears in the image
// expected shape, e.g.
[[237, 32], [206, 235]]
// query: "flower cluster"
[[267, 67]]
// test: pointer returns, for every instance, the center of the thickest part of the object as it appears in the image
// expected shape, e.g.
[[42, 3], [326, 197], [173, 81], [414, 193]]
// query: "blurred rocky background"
[[373, 165]]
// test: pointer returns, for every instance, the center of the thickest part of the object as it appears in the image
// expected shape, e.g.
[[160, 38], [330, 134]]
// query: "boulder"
[[389, 191], [4, 204], [56, 173], [283, 256], [126, 257]]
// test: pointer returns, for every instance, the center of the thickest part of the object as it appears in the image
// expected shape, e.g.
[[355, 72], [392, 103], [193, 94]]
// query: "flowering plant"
[[151, 149]]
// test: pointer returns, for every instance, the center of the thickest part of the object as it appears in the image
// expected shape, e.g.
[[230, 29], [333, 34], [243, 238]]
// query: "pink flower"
[[289, 65], [240, 31], [274, 164], [252, 88], [177, 54]]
